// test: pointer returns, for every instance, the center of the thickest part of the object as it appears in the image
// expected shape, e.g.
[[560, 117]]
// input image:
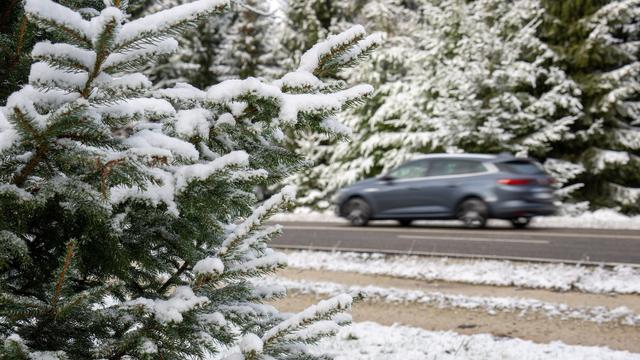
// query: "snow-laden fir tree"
[[128, 228], [453, 76], [200, 49], [598, 45], [249, 44], [308, 21]]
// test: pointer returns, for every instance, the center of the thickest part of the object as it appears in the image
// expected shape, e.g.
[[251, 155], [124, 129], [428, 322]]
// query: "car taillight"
[[516, 181]]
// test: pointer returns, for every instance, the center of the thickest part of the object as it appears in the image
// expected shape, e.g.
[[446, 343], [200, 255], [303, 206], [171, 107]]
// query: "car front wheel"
[[357, 211], [473, 213]]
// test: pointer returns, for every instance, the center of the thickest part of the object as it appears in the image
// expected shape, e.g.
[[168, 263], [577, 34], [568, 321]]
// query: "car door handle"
[[452, 185], [413, 188]]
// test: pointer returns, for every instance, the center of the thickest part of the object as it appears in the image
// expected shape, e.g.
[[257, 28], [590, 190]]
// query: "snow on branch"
[[8, 134], [269, 261], [170, 310], [139, 56], [241, 237], [188, 173], [166, 22], [294, 104], [64, 56], [183, 95], [313, 58], [138, 108], [324, 310], [291, 105], [55, 16]]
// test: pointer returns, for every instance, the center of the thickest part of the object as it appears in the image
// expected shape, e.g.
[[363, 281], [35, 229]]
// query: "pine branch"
[[173, 278], [41, 151], [20, 43], [104, 175], [102, 51], [63, 273]]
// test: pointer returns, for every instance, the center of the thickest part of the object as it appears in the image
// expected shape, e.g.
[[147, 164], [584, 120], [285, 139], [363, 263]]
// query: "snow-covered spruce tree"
[[308, 21], [452, 76], [249, 44], [598, 44], [200, 49], [128, 229]]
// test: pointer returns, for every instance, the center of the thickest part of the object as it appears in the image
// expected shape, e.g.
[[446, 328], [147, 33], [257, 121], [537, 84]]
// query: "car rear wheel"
[[473, 213], [520, 222], [405, 222], [357, 211]]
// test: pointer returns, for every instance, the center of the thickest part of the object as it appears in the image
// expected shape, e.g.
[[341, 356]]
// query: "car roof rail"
[[505, 154]]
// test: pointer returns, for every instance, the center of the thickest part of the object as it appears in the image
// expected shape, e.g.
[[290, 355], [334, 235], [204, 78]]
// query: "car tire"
[[473, 213], [520, 222], [405, 222], [357, 211]]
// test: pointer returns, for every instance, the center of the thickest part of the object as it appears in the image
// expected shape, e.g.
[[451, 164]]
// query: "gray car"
[[468, 187]]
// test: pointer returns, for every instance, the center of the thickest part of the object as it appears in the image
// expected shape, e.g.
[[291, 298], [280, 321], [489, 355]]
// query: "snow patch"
[[210, 265], [620, 279], [489, 304], [369, 340], [182, 300]]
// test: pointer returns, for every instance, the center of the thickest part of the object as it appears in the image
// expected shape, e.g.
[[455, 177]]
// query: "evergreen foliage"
[[200, 50], [453, 76], [128, 228], [553, 80], [598, 45], [247, 49]]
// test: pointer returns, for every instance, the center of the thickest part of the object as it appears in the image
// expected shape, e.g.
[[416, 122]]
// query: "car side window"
[[414, 169], [447, 167]]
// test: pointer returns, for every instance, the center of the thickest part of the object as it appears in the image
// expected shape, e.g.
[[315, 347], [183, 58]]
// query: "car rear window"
[[522, 167]]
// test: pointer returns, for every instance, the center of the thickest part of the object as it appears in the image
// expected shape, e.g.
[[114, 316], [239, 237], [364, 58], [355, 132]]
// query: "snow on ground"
[[489, 304], [371, 341], [599, 219], [620, 279]]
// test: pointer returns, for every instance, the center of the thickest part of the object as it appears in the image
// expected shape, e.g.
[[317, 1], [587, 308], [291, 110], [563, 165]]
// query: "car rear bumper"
[[517, 208]]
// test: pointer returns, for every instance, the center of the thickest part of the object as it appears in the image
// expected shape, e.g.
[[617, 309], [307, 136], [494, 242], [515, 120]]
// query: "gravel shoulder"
[[530, 326]]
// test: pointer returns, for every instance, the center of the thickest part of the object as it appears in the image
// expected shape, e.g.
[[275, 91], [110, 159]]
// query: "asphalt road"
[[587, 246]]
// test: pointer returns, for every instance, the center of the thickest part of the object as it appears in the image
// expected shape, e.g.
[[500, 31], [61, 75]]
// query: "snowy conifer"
[[200, 49], [598, 45], [452, 76], [128, 229], [248, 47]]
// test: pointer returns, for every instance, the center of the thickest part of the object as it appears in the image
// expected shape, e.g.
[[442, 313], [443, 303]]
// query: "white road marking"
[[465, 231], [448, 238]]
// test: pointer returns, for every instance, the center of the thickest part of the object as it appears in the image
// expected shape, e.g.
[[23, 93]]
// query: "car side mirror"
[[386, 178]]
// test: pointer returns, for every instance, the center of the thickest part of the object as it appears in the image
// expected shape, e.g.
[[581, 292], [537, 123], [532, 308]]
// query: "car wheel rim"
[[471, 215], [356, 215]]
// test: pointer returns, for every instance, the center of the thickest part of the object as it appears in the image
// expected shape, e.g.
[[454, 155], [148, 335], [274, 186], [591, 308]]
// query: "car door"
[[396, 193], [448, 179]]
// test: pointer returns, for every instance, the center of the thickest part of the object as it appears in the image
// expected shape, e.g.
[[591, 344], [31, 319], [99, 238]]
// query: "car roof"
[[474, 156]]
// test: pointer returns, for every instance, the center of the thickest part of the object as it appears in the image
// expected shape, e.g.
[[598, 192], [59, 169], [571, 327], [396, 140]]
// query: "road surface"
[[587, 246]]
